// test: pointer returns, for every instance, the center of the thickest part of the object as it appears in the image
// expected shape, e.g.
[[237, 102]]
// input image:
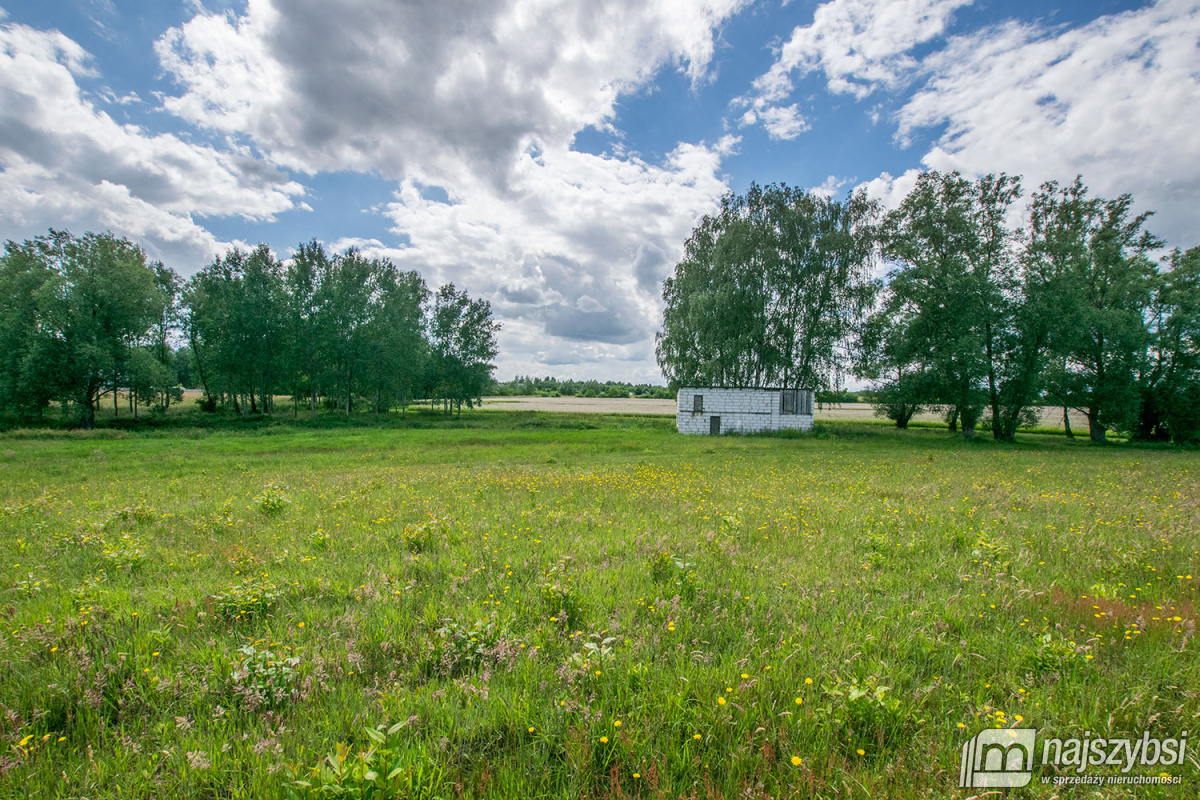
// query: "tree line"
[[549, 386], [84, 318], [986, 312]]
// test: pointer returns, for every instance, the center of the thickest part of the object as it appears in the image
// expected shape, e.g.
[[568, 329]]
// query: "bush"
[[250, 599], [390, 768], [272, 501]]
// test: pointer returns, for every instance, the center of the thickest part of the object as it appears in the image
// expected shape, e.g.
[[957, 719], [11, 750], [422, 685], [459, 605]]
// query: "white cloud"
[[860, 45], [783, 122], [579, 243], [830, 187], [889, 191], [66, 163], [422, 90], [1117, 100], [570, 248]]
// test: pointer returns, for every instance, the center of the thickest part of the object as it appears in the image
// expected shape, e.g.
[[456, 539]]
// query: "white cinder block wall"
[[740, 410]]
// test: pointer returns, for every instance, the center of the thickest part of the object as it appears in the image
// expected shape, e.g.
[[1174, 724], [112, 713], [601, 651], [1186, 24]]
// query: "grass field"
[[537, 605]]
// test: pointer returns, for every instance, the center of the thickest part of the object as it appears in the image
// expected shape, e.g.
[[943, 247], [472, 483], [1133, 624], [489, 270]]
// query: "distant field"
[[864, 412], [581, 605]]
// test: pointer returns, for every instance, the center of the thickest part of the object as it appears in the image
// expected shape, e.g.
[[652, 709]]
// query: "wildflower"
[[797, 761], [531, 729], [603, 740], [637, 775], [697, 736], [745, 676], [861, 752], [808, 681], [799, 701], [617, 724], [720, 701]]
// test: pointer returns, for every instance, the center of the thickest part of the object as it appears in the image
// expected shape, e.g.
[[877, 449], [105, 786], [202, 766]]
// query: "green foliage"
[[594, 654], [272, 500], [265, 675], [250, 599], [1052, 654], [126, 553], [559, 601], [76, 317], [390, 768], [467, 648], [865, 715], [769, 291], [462, 343], [421, 537], [532, 386], [674, 574]]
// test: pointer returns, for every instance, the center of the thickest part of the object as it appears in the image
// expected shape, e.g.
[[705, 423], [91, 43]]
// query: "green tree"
[[1095, 265], [957, 297], [344, 302], [304, 320], [28, 380], [235, 327], [769, 291], [462, 344], [78, 309], [1170, 379], [395, 336]]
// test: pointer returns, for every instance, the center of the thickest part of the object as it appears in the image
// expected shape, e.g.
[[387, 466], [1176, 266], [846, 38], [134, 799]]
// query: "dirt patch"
[[1092, 610]]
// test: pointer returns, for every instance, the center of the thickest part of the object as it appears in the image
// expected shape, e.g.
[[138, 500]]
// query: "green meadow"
[[526, 605]]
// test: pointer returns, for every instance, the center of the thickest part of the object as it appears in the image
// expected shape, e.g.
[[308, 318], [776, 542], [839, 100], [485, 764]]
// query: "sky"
[[552, 156]]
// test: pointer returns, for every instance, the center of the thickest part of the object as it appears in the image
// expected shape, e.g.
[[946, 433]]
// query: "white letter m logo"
[[998, 758]]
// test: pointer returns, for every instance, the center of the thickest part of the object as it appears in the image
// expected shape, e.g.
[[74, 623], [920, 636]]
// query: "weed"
[[390, 767], [271, 501], [251, 599]]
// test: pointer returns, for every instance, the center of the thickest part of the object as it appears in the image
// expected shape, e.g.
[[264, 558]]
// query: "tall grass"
[[523, 605]]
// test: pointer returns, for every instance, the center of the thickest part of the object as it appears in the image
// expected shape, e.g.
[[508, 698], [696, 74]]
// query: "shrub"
[[864, 715], [420, 538], [264, 675], [272, 501], [465, 649], [250, 599], [389, 768], [125, 553], [677, 575]]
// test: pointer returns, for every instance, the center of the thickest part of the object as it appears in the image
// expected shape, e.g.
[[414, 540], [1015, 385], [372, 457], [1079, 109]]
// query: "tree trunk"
[[116, 410], [968, 424], [1096, 431], [1067, 423], [376, 402], [953, 423], [87, 419], [994, 395], [312, 404]]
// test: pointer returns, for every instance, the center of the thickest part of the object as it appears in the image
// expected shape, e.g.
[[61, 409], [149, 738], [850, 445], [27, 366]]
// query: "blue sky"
[[552, 156]]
